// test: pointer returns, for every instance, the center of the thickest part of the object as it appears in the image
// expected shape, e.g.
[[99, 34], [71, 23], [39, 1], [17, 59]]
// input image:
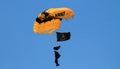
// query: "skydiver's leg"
[[56, 61]]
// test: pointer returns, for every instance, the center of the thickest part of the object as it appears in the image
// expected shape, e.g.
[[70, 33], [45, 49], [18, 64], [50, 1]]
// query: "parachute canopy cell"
[[49, 20]]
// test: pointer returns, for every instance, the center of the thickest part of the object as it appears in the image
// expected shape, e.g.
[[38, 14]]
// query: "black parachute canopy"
[[63, 36]]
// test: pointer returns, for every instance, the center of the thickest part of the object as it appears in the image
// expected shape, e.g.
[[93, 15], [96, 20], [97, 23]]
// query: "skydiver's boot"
[[57, 65]]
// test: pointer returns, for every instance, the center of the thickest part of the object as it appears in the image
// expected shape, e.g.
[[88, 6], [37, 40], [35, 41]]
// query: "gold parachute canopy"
[[49, 20]]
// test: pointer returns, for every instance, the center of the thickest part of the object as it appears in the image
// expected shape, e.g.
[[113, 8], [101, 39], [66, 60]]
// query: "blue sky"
[[94, 44]]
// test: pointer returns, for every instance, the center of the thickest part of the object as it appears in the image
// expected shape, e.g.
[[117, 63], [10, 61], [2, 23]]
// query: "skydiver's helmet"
[[56, 47]]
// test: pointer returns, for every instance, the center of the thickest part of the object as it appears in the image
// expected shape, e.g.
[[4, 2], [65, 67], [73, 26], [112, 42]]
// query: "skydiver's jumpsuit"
[[57, 56]]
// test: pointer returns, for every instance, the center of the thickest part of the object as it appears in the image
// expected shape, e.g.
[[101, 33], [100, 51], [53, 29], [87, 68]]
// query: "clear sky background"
[[94, 44]]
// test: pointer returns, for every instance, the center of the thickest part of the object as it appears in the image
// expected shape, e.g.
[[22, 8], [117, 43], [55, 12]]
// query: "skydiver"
[[57, 55]]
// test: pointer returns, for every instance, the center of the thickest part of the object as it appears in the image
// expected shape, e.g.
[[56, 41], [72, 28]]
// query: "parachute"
[[49, 20]]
